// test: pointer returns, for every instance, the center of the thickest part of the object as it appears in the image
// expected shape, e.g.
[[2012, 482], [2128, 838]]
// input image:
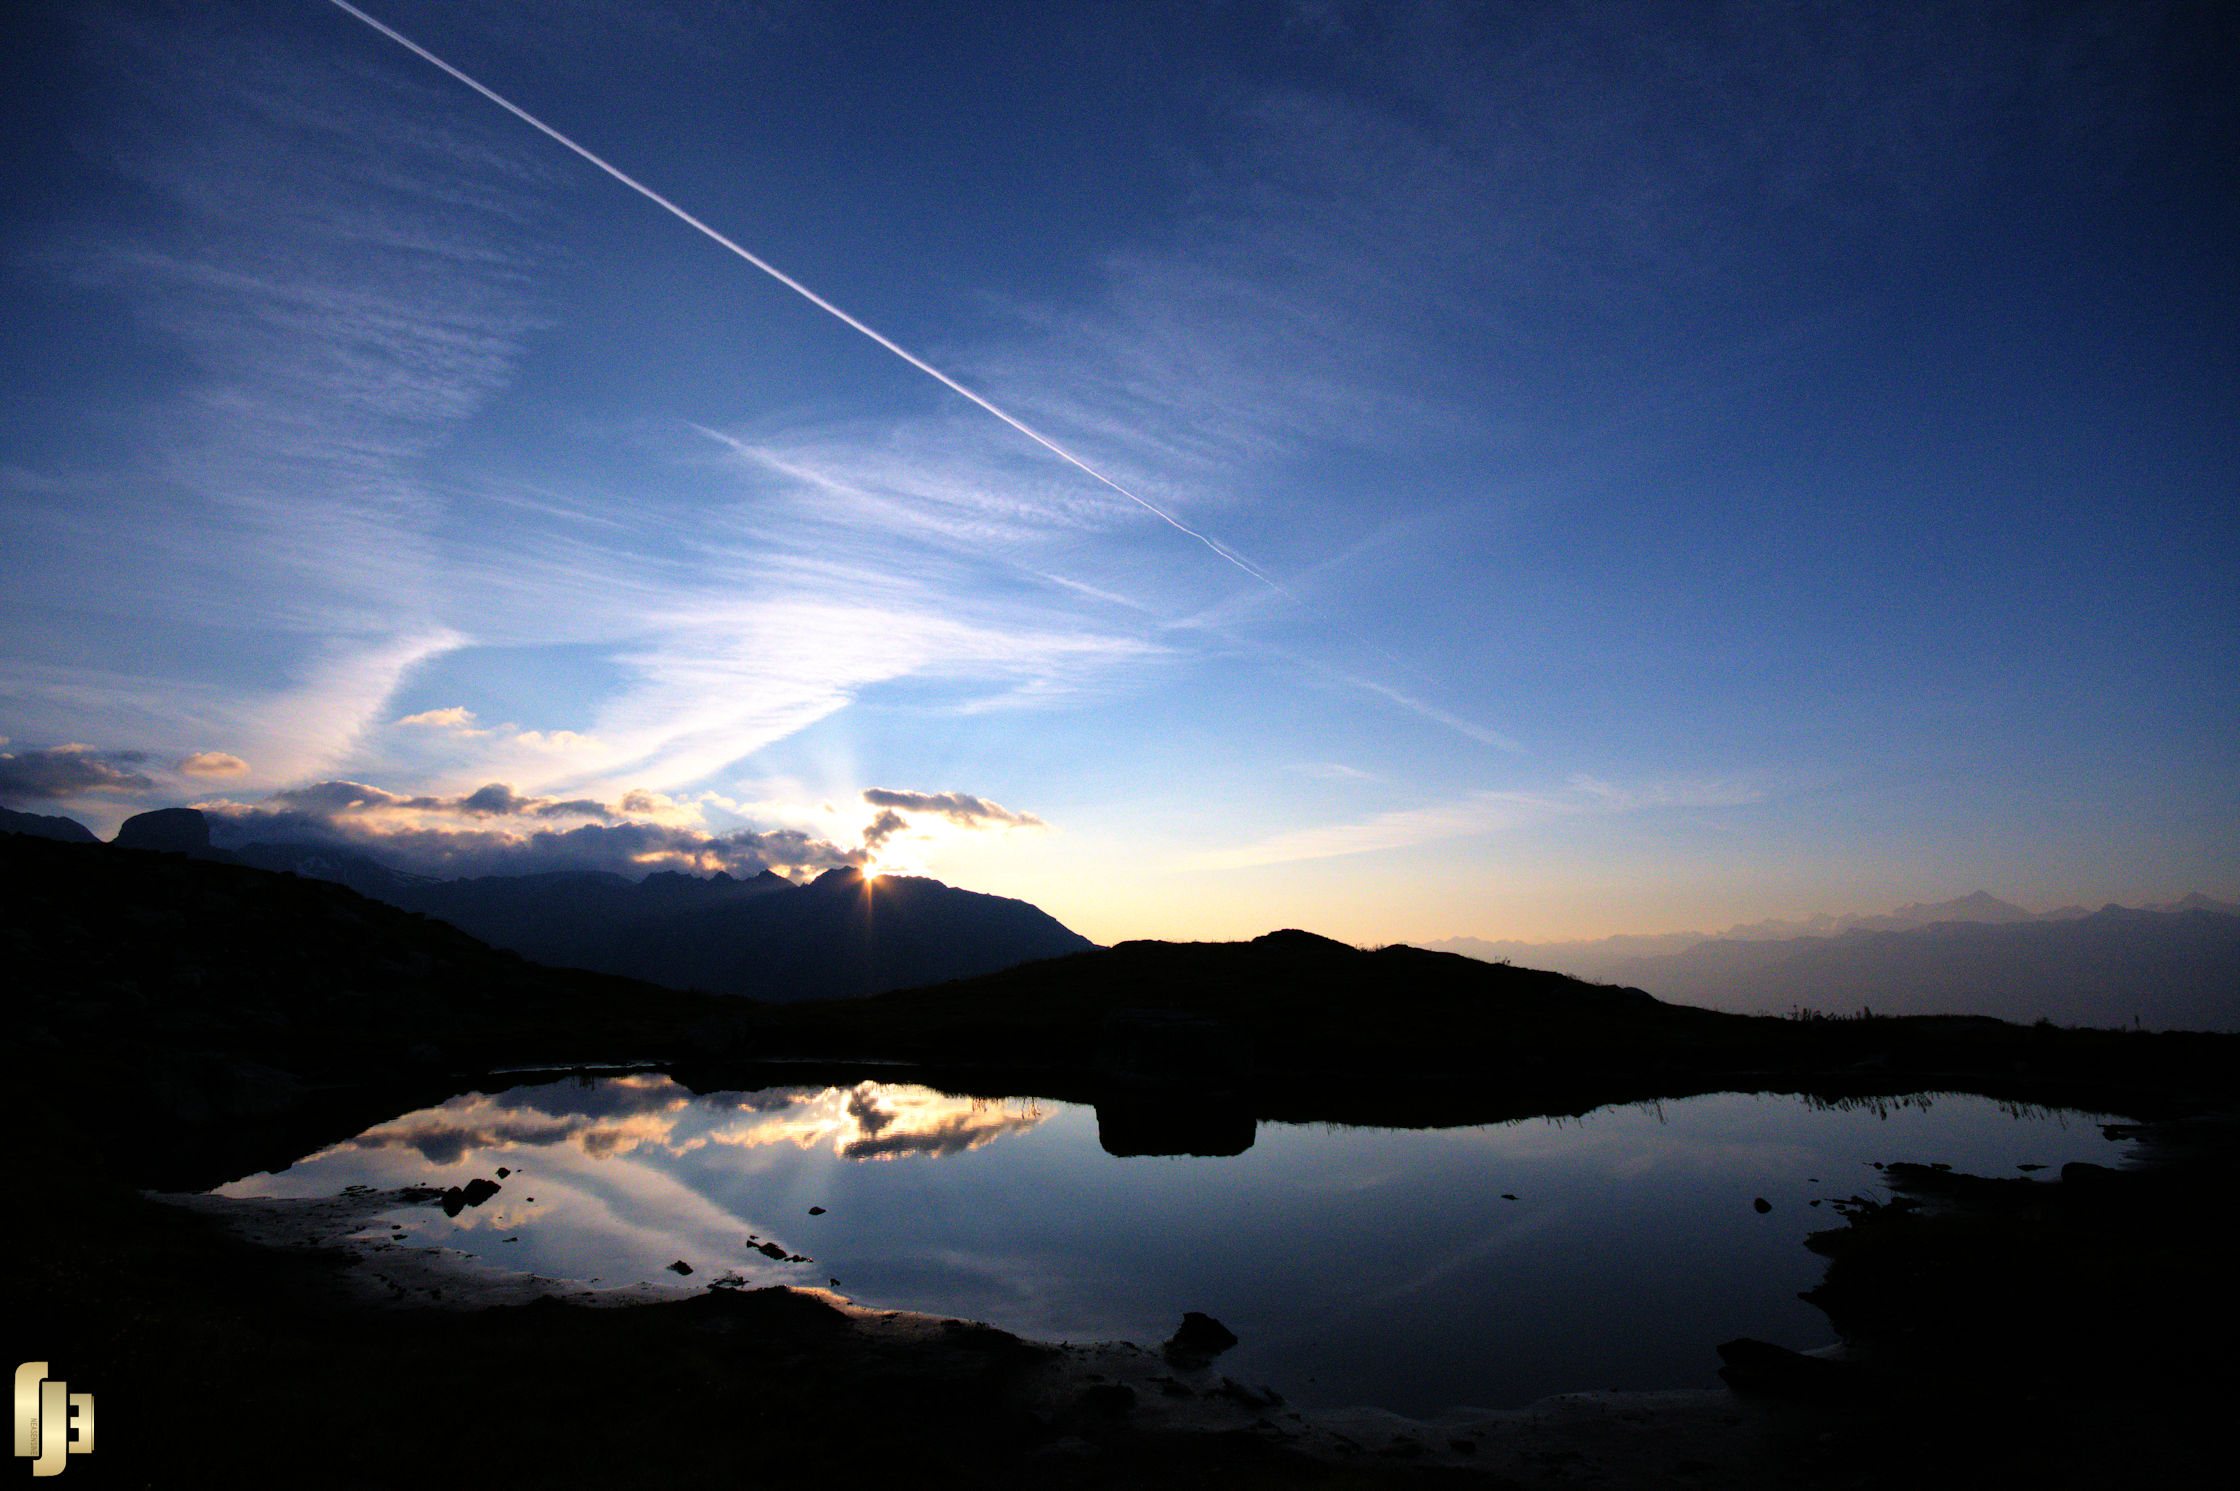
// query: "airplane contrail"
[[806, 293]]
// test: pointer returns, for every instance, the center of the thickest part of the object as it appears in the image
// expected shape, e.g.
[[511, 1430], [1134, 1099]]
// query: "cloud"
[[457, 718], [325, 799], [882, 828], [960, 808], [496, 830], [70, 771], [1476, 813], [496, 801], [213, 764]]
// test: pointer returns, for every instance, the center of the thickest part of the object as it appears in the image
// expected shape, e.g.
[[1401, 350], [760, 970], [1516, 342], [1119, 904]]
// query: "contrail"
[[806, 293]]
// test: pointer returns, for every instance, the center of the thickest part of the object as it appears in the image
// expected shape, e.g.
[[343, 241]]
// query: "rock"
[[166, 830], [473, 1193], [1200, 1338], [1762, 1368], [680, 1267], [771, 1251], [816, 1211], [1761, 1206]]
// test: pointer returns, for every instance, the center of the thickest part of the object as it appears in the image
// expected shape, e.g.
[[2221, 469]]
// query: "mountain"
[[44, 826], [2164, 970], [763, 936], [842, 934], [1947, 957], [1613, 958]]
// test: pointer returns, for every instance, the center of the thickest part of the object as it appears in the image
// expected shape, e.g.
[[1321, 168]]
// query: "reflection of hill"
[[1128, 1127]]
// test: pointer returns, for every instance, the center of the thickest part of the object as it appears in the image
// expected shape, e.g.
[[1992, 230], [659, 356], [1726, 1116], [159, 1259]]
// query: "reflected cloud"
[[613, 1116], [876, 1121]]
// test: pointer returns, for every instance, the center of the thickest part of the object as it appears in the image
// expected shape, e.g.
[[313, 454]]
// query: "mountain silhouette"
[[2166, 970], [763, 935], [46, 826]]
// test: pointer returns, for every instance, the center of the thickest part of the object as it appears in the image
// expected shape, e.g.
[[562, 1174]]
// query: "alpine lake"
[[1411, 1269]]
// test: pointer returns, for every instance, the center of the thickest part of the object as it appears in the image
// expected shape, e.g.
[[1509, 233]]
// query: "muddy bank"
[[822, 1385]]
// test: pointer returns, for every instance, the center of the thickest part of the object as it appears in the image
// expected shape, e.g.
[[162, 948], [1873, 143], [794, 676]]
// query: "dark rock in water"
[[680, 1267], [473, 1193], [1200, 1337], [169, 830], [1760, 1367], [503, 1172], [771, 1251], [816, 1211], [1761, 1206]]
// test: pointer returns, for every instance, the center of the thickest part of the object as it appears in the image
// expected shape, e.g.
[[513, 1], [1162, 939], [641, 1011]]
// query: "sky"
[[1400, 470]]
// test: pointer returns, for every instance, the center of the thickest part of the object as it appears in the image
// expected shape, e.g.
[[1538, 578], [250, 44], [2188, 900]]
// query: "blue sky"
[[1659, 465]]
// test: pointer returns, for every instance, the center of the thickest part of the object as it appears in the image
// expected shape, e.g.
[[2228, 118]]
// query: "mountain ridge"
[[762, 936]]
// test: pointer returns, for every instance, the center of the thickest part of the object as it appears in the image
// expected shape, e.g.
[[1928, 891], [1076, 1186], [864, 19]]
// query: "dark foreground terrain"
[[181, 1023]]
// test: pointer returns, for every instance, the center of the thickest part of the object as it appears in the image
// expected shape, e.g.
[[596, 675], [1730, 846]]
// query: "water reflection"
[[1413, 1269], [1166, 1125]]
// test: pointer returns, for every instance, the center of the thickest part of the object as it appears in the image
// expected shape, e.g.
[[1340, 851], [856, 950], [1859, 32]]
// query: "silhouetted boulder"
[[473, 1193], [1199, 1339], [168, 830]]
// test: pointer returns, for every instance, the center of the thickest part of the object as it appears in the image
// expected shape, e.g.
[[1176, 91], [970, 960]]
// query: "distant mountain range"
[[2169, 967], [765, 936]]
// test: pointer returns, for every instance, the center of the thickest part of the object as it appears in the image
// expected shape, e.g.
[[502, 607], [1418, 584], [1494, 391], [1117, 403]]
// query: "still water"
[[1411, 1269]]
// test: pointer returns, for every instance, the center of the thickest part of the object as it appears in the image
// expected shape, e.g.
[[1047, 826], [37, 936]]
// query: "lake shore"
[[233, 1021], [300, 1305], [1070, 1414]]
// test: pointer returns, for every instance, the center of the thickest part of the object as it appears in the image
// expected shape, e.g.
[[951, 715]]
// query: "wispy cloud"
[[1476, 813]]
